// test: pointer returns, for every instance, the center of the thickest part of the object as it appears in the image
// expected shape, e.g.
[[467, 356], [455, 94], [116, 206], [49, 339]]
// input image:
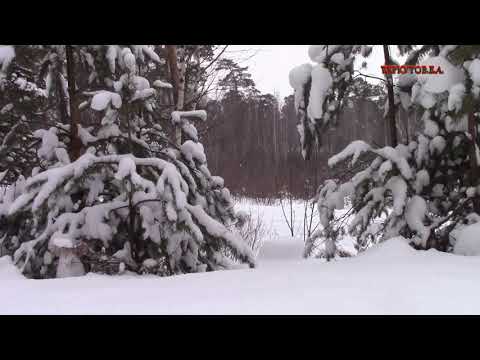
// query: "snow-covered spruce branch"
[[43, 186], [357, 148], [322, 88], [422, 190], [127, 159], [40, 187]]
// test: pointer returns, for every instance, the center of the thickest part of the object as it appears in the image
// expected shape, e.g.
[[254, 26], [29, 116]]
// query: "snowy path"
[[283, 250], [389, 279]]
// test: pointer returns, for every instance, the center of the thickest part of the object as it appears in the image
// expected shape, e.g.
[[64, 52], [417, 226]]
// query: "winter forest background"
[[157, 161], [269, 160]]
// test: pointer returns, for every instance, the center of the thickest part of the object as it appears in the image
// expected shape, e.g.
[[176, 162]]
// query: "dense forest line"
[[253, 143]]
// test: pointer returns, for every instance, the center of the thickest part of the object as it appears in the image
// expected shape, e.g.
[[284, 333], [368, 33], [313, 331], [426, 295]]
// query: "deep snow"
[[391, 278]]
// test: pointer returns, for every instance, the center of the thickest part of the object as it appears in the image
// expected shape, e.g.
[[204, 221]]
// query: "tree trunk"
[[178, 80], [196, 79], [391, 102], [474, 170], [75, 143]]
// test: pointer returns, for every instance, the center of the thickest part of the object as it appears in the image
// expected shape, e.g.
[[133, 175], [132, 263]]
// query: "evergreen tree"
[[23, 109], [133, 199], [320, 90], [422, 190]]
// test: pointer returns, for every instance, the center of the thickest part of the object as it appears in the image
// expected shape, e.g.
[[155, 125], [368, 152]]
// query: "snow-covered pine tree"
[[23, 108], [422, 190], [132, 199], [320, 90]]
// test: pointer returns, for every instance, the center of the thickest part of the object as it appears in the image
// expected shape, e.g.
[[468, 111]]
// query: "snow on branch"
[[162, 84], [102, 99], [7, 53], [43, 185], [178, 115], [216, 229], [355, 149]]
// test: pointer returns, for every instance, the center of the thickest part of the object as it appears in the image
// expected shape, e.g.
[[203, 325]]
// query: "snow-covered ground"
[[391, 278]]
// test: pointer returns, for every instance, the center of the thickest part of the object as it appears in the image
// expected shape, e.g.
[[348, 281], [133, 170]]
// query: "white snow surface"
[[474, 70], [321, 83], [162, 84], [193, 151], [414, 215], [318, 53], [391, 278], [455, 97], [7, 53], [63, 242], [178, 115], [298, 77], [355, 149], [439, 83], [467, 240], [102, 99]]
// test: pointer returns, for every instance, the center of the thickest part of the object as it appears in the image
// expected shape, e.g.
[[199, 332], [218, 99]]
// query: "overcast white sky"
[[272, 63]]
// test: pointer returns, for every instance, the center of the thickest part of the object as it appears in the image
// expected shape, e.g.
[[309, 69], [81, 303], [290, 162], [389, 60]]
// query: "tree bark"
[[75, 143], [196, 79], [392, 129], [474, 169], [178, 80]]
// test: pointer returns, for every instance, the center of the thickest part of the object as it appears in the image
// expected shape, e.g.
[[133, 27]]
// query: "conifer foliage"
[[321, 89], [424, 189], [132, 199]]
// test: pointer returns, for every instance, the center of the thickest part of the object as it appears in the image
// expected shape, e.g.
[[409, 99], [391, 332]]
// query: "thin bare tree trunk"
[[75, 143], [173, 67], [392, 130], [178, 79], [474, 169], [196, 79]]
